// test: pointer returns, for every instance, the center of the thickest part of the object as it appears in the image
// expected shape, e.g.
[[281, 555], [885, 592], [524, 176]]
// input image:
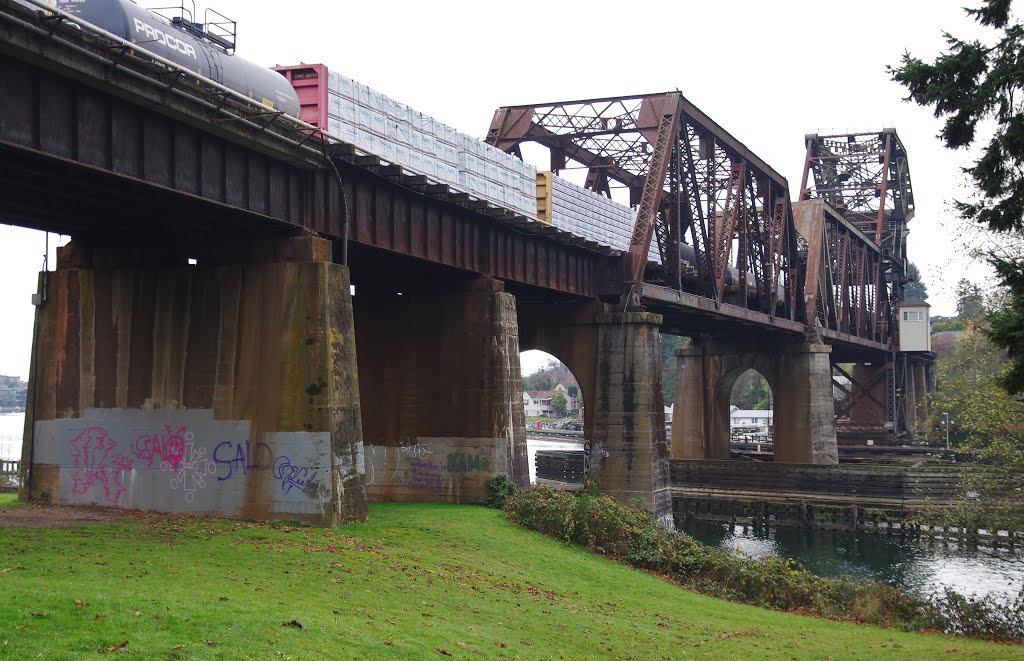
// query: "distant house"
[[747, 422], [13, 392], [537, 403]]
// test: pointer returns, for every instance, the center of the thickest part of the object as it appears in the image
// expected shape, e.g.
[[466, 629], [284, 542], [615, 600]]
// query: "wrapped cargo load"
[[380, 125], [586, 214]]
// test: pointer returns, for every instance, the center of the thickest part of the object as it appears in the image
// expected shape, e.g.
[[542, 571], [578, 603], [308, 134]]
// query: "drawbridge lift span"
[[730, 243]]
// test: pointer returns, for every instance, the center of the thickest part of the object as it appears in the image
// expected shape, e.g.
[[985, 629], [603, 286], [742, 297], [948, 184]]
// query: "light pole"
[[945, 414]]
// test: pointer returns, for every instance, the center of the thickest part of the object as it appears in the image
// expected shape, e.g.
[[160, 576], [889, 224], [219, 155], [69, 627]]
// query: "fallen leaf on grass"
[[293, 623], [501, 645], [79, 602], [137, 613], [441, 650], [222, 598], [21, 627], [178, 647], [460, 643], [116, 648], [100, 616], [951, 649], [214, 642], [38, 614]]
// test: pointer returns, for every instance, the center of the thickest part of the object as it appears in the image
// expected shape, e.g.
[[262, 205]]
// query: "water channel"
[[912, 564]]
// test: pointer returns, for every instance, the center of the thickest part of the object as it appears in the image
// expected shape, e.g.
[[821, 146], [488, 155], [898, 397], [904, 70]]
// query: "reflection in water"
[[912, 564]]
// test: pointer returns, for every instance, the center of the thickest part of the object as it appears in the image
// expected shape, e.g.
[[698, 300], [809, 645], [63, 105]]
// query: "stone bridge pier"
[[441, 389], [799, 374], [615, 356], [226, 387]]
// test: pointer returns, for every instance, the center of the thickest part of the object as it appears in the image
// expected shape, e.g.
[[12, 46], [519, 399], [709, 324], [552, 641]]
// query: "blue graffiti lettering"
[[304, 479], [242, 457]]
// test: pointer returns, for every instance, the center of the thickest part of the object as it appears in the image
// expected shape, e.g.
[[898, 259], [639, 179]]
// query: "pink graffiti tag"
[[95, 459], [170, 448]]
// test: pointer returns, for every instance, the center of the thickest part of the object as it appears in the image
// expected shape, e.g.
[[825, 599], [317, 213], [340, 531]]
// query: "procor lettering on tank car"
[[192, 49]]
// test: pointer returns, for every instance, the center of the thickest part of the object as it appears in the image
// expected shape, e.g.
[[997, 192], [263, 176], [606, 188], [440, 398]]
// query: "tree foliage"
[[538, 381], [751, 392], [915, 287], [971, 84], [558, 402], [669, 344], [984, 419], [549, 376], [970, 301]]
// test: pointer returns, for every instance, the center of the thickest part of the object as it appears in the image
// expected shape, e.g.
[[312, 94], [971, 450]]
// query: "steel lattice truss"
[[846, 286], [721, 216], [866, 178]]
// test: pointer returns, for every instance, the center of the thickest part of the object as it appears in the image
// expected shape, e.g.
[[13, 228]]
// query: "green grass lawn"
[[420, 581]]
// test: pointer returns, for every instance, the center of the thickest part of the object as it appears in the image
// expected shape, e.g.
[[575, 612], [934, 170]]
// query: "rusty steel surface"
[[865, 177], [94, 144], [701, 186], [846, 289]]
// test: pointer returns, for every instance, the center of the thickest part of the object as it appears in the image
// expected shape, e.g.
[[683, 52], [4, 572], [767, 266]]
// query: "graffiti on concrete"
[[168, 447], [242, 457], [415, 465], [411, 447], [96, 459], [460, 462], [295, 477], [176, 451], [193, 471], [417, 451], [425, 475]]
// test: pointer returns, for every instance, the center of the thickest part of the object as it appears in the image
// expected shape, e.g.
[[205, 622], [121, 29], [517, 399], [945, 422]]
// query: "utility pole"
[[945, 414]]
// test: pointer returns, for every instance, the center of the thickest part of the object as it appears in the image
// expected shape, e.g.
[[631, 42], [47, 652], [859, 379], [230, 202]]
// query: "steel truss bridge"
[[98, 141]]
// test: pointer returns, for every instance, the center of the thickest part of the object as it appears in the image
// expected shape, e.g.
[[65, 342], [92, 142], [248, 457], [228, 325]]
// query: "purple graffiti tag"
[[95, 459], [425, 475], [295, 477], [242, 457], [169, 447]]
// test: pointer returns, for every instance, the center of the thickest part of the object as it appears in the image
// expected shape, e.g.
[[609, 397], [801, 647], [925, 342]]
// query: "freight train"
[[187, 43], [371, 121]]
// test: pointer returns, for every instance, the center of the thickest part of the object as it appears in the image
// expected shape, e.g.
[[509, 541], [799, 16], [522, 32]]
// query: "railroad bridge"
[[255, 318]]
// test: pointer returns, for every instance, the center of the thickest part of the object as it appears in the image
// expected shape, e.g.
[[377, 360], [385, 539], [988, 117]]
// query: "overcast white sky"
[[769, 72]]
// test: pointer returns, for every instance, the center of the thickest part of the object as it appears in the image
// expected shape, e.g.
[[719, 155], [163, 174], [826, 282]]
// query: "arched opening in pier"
[[553, 409], [751, 415]]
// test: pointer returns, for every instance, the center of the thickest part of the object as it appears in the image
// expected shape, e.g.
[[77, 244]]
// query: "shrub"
[[980, 617], [603, 525], [499, 490]]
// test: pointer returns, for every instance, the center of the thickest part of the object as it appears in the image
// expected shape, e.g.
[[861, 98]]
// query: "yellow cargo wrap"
[[544, 196]]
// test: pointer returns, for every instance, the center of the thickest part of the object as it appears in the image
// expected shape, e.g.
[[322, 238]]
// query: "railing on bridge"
[[9, 475]]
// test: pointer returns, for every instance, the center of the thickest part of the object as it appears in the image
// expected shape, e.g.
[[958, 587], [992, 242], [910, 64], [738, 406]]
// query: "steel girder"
[[690, 182], [846, 288]]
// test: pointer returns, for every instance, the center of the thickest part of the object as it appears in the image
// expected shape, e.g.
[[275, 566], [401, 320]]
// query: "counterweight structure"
[[866, 178]]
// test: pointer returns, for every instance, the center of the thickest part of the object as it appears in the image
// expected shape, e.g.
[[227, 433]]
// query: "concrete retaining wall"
[[453, 470]]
